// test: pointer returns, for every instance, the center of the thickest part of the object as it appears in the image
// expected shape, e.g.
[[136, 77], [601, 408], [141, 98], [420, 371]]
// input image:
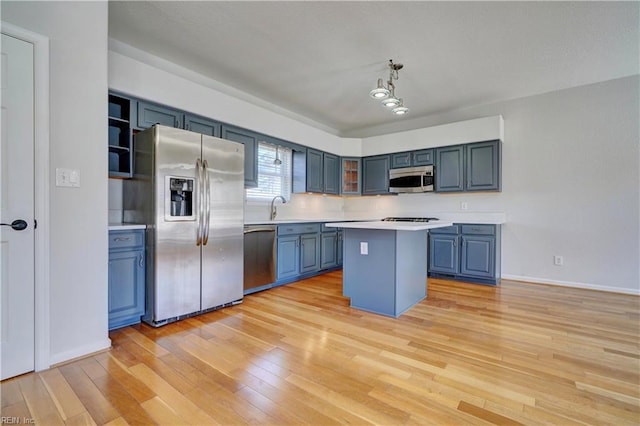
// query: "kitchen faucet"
[[273, 208]]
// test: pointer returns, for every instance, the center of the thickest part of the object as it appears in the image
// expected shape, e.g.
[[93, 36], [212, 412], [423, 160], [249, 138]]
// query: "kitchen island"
[[385, 264]]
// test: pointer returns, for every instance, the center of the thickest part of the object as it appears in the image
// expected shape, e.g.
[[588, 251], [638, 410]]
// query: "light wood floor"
[[469, 354]]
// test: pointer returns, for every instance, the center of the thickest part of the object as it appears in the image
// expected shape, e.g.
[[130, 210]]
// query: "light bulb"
[[400, 110], [379, 92], [391, 102]]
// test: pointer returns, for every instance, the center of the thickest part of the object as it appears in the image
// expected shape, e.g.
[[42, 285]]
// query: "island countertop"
[[391, 226]]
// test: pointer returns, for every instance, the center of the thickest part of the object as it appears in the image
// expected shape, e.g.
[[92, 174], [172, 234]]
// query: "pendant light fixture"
[[386, 94], [277, 160]]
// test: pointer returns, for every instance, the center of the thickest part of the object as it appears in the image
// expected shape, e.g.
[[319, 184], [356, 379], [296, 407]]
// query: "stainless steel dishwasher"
[[259, 256]]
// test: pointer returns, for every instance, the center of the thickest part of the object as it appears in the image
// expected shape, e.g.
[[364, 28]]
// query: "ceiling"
[[319, 60]]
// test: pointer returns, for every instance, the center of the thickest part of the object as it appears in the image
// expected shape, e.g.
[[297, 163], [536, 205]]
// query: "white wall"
[[78, 138], [570, 160], [477, 129], [145, 77], [570, 183]]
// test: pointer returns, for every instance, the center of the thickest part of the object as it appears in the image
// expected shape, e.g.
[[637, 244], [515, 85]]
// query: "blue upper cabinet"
[[150, 114], [202, 125], [450, 168], [375, 174], [121, 115], [423, 157], [470, 167], [483, 166], [331, 173], [351, 173], [401, 159], [250, 141], [314, 171]]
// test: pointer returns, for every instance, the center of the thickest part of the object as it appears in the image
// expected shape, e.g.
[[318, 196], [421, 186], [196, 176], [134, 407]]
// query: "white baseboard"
[[534, 280], [80, 352]]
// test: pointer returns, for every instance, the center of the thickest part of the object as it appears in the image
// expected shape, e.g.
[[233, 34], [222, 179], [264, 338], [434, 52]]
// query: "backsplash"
[[115, 200], [300, 206], [483, 206]]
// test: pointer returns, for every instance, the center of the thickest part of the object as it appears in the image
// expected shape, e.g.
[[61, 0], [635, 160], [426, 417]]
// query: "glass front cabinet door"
[[350, 176]]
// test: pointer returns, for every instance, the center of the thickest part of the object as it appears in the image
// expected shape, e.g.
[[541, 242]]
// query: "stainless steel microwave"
[[411, 179]]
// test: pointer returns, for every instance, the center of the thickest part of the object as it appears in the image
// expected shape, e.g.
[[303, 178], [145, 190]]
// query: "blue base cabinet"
[[443, 251], [298, 251], [466, 252], [288, 257], [126, 277]]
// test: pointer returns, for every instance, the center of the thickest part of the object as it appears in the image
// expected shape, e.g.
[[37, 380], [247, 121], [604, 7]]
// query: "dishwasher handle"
[[265, 229]]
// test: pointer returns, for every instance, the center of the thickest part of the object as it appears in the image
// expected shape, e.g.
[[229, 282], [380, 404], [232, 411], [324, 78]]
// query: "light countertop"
[[125, 226], [391, 226]]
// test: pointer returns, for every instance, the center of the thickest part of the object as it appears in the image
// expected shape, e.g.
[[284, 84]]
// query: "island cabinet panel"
[[388, 274], [126, 302]]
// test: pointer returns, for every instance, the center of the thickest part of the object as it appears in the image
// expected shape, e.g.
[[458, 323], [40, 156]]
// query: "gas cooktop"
[[409, 219]]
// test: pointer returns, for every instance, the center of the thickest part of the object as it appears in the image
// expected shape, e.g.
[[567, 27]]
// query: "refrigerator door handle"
[[207, 203], [200, 200]]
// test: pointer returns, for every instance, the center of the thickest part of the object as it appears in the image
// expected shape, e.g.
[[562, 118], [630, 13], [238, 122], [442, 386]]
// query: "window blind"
[[273, 179]]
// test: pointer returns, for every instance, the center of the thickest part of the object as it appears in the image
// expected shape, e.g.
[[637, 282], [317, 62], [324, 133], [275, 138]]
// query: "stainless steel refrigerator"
[[188, 189]]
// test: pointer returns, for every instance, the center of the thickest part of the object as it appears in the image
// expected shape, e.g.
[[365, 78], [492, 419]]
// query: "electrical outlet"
[[464, 206], [364, 248], [558, 260]]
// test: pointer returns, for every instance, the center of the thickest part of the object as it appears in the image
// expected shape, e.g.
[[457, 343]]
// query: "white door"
[[17, 202]]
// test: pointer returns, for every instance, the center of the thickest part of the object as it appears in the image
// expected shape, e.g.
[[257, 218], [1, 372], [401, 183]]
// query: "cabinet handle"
[[475, 229], [178, 123], [141, 260], [122, 239]]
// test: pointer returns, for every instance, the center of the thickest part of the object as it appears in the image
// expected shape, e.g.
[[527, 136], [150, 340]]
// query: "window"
[[273, 179]]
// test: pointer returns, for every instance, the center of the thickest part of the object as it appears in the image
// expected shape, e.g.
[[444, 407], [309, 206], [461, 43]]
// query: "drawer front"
[[126, 239], [325, 228], [299, 228], [478, 229], [446, 230]]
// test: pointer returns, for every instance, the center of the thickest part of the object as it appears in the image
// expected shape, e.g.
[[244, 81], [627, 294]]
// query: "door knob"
[[16, 225]]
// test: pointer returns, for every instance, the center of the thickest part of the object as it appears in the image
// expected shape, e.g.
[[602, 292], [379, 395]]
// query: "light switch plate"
[[68, 177], [364, 248]]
